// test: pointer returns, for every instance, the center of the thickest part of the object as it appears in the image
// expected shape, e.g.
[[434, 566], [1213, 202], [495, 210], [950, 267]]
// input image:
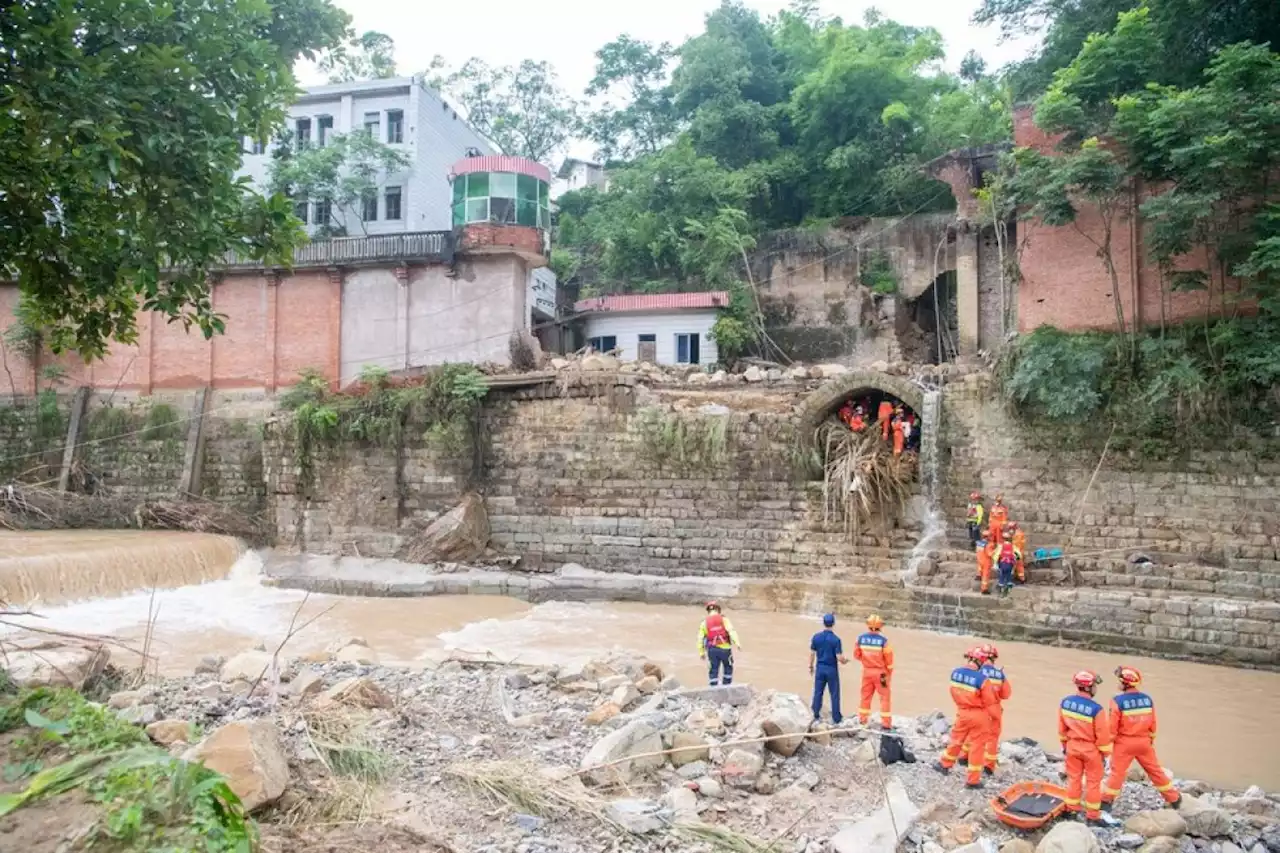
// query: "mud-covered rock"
[[636, 738], [250, 754], [1069, 837], [1152, 824], [40, 661]]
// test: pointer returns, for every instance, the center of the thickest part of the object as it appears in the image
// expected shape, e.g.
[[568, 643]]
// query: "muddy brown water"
[[1216, 723]]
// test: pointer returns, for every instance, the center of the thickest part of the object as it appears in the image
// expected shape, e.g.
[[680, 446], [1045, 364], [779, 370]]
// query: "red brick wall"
[[1065, 284]]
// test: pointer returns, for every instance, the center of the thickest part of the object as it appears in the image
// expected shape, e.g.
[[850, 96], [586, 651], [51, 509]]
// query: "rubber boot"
[[938, 765]]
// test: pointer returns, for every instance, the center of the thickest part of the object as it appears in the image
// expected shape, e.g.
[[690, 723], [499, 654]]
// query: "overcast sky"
[[567, 33]]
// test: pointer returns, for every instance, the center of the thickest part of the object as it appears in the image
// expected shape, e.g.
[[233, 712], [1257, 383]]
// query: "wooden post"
[[78, 404], [193, 458]]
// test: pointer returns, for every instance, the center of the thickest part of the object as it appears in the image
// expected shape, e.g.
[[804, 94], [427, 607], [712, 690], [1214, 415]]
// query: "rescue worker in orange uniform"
[[976, 700], [846, 413], [858, 422], [1086, 739], [1019, 539], [1003, 690], [716, 642], [876, 655], [985, 552], [974, 515], [1133, 733], [883, 415], [999, 518], [899, 438]]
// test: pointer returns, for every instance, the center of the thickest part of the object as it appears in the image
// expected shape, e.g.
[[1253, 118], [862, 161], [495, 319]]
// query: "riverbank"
[[335, 751]]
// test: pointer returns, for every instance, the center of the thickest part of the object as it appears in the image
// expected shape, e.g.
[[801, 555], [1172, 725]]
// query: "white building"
[[661, 328], [576, 174], [402, 112]]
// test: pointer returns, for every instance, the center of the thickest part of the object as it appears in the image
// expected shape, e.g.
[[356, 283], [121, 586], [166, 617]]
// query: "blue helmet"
[[829, 619]]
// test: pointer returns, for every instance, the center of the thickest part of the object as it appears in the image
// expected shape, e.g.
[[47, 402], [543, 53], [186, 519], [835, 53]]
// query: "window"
[[503, 197], [323, 212], [369, 206], [302, 133], [687, 348], [395, 126], [372, 121], [393, 202], [604, 343], [324, 129], [257, 146], [300, 210]]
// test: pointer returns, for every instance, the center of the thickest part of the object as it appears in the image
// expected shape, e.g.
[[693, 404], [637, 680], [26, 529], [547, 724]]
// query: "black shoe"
[[988, 771], [941, 768], [975, 786], [1106, 807], [1176, 804], [962, 761]]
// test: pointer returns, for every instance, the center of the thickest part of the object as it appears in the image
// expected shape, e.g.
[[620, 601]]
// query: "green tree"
[[122, 132], [635, 72], [521, 108], [368, 56], [348, 170]]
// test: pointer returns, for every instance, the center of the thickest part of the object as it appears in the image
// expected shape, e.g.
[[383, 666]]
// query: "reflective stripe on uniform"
[[1104, 749], [1112, 791], [1163, 788], [1134, 712], [1077, 716]]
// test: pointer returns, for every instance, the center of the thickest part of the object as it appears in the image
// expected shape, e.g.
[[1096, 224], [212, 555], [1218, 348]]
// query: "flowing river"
[[1215, 722]]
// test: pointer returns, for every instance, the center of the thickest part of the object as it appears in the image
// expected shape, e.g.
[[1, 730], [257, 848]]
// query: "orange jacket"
[[1133, 714], [997, 677], [874, 651], [1020, 541], [885, 411], [1082, 724], [856, 423], [999, 516], [973, 691], [984, 557]]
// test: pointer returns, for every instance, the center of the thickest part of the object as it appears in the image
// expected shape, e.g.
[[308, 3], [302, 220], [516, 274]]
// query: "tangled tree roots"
[[36, 508], [862, 479]]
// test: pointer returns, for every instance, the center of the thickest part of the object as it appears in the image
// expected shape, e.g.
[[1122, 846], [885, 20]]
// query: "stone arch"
[[827, 396]]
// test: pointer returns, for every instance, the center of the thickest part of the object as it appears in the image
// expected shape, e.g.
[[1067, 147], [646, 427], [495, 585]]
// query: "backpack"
[[892, 750]]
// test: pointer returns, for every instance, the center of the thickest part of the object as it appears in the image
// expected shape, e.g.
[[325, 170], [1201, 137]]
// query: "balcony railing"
[[420, 246]]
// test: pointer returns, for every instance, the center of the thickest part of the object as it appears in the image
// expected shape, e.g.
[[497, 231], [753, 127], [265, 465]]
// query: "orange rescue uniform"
[[876, 654], [986, 555], [898, 438], [1003, 690], [1086, 738], [1020, 548], [999, 518], [1133, 731], [883, 415], [976, 702]]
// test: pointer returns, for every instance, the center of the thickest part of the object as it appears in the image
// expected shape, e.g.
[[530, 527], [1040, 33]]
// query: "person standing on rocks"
[[1003, 691], [1133, 731], [976, 700], [716, 642], [1086, 738], [975, 513], [877, 670], [998, 519], [826, 653]]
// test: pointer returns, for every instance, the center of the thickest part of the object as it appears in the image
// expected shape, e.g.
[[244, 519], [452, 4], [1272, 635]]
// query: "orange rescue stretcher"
[[1030, 805]]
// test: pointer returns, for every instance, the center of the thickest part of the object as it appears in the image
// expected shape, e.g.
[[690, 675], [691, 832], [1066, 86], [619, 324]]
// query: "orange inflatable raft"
[[1030, 805]]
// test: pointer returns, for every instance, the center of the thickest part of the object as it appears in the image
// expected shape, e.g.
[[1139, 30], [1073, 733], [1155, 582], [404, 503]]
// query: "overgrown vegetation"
[[685, 439], [1202, 385], [862, 480], [877, 273], [443, 403], [151, 801]]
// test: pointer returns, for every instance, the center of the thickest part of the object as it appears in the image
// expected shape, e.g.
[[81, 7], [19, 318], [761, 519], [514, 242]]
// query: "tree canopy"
[[122, 133]]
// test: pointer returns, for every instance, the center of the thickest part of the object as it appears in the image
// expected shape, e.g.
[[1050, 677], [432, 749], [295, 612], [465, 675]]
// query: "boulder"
[[613, 682], [798, 371], [246, 666], [251, 756], [635, 738], [307, 683], [1128, 841], [784, 717], [210, 665], [127, 699], [625, 695], [648, 684], [703, 720], [682, 803], [1069, 837], [830, 371], [982, 845], [709, 787], [876, 832], [866, 753], [1250, 802], [693, 770], [598, 363], [1204, 820], [766, 783], [637, 816], [44, 661], [1161, 844], [651, 668], [958, 835], [741, 768], [605, 712], [360, 692], [670, 684], [688, 748], [356, 653], [1152, 824], [1271, 837], [169, 732], [737, 695], [140, 715], [459, 536], [1017, 845], [754, 374]]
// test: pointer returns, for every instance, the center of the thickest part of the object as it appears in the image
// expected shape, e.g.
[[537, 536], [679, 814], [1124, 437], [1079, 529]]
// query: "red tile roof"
[[653, 301]]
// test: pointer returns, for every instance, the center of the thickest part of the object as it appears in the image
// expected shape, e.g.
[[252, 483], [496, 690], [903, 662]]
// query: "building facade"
[[402, 112], [575, 174], [660, 328]]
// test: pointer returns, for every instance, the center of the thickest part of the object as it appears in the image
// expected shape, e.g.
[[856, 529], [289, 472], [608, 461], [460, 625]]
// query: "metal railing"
[[354, 251]]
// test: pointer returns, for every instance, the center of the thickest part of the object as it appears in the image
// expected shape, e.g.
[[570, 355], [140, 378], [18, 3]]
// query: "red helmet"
[[1013, 525], [712, 605], [991, 651], [977, 654], [1086, 679], [1129, 677], [973, 496]]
